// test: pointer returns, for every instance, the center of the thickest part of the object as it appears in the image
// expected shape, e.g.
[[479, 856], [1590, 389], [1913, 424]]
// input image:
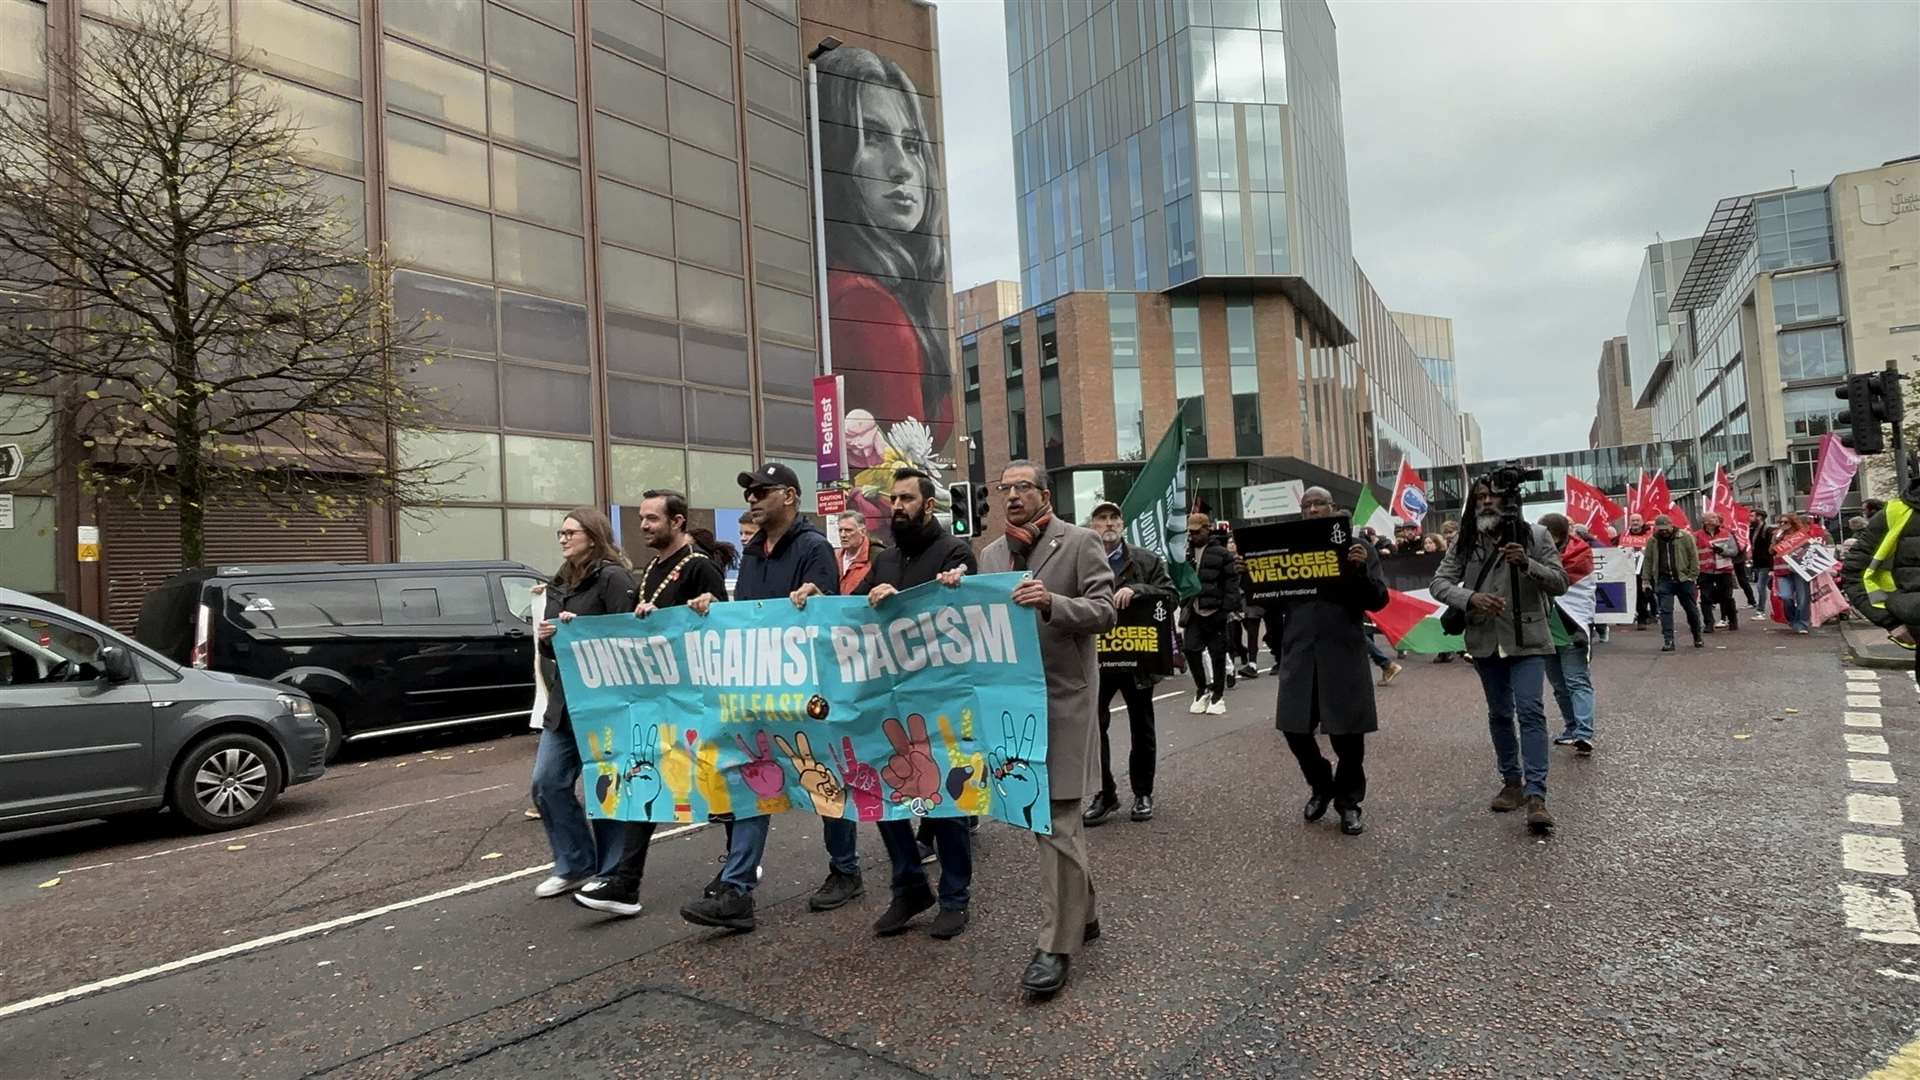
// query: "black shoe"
[[1668, 647], [1045, 974], [900, 913], [1231, 680], [838, 890], [1350, 822], [1583, 747], [1443, 658], [731, 909], [1142, 808], [1699, 643], [949, 923], [604, 895], [1317, 806], [1090, 933], [1100, 809], [1564, 740], [1708, 629], [927, 854]]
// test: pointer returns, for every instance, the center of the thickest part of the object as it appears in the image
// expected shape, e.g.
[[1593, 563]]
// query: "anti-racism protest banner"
[[1141, 642], [1294, 560], [760, 707]]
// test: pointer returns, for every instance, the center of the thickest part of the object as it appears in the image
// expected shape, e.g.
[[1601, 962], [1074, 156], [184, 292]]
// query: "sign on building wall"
[[1271, 500]]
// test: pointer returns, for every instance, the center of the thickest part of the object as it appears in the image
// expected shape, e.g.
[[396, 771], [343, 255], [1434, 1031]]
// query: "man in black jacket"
[[789, 551], [922, 550], [1141, 578], [1203, 627]]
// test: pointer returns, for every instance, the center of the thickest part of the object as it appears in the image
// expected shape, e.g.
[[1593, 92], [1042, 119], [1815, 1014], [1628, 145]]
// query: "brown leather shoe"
[[1510, 798], [1539, 819]]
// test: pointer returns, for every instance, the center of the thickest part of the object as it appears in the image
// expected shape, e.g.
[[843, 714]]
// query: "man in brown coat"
[[1071, 590]]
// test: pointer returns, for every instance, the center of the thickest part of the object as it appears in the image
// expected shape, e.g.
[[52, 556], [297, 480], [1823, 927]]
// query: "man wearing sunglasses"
[[786, 553]]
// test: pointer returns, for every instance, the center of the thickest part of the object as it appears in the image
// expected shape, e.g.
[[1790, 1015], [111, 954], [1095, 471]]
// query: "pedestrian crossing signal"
[[960, 498]]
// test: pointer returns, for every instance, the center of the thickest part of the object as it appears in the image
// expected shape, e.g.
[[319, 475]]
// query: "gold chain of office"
[[696, 553]]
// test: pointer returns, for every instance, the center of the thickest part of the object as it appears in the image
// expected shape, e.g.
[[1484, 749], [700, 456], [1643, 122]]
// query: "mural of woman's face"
[[891, 161]]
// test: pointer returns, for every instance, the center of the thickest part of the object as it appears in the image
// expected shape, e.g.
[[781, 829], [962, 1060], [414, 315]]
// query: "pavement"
[[1727, 895], [1867, 646]]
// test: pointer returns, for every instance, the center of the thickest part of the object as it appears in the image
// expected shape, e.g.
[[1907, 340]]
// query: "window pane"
[[283, 36], [438, 236], [640, 346], [637, 282], [644, 410], [23, 45], [349, 202], [462, 313], [779, 205], [638, 469], [712, 299], [629, 29], [776, 148], [627, 89], [536, 188], [468, 389], [780, 260], [630, 153], [529, 51], [463, 466], [530, 535], [421, 82], [787, 425], [707, 238], [770, 38], [540, 258], [711, 478], [534, 118], [705, 180], [542, 400], [536, 328], [785, 314], [430, 534], [705, 14], [1237, 65], [773, 92], [699, 60], [557, 12], [636, 218], [268, 605], [716, 359], [436, 161], [718, 419], [331, 133], [702, 120], [549, 470], [453, 25], [786, 370]]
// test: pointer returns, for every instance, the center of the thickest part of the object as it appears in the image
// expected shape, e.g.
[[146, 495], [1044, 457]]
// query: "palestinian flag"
[[1368, 511], [1575, 606], [1412, 622]]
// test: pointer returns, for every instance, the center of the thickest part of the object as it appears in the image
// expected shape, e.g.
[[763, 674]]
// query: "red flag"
[[1409, 495], [1588, 505], [1656, 498], [1636, 498]]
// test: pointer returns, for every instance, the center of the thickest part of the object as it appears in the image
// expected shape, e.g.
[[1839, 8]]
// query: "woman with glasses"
[[594, 579]]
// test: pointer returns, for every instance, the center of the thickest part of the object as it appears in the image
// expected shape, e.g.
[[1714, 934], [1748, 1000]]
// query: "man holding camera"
[[1514, 572]]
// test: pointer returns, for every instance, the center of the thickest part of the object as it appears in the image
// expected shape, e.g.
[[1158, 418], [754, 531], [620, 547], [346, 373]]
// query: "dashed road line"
[[1874, 810], [1863, 701], [1873, 854], [1866, 744], [1870, 772], [1881, 914], [1861, 719]]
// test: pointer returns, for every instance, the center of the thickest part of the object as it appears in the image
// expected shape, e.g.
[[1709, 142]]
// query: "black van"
[[382, 648]]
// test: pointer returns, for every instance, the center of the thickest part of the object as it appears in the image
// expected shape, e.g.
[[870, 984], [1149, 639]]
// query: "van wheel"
[[336, 735], [226, 782]]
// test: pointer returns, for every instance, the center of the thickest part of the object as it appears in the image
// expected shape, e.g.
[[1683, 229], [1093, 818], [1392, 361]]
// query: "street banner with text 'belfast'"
[[932, 704]]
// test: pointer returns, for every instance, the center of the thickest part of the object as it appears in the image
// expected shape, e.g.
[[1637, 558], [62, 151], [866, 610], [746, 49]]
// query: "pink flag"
[[1831, 476]]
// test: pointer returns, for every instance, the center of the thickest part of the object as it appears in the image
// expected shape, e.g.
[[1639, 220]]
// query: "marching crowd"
[[1498, 577]]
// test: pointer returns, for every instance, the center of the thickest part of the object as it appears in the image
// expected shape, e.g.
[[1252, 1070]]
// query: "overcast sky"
[[1508, 163]]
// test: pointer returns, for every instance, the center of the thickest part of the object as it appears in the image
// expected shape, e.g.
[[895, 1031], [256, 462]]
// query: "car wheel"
[[336, 735], [226, 782]]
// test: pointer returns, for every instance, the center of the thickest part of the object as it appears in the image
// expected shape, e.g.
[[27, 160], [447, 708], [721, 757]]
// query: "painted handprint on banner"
[[764, 776], [676, 769], [713, 782], [864, 783], [606, 779], [967, 782], [829, 798], [1015, 779], [641, 777], [911, 772]]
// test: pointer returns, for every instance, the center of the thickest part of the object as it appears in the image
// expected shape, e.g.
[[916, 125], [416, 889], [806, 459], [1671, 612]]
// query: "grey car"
[[93, 723]]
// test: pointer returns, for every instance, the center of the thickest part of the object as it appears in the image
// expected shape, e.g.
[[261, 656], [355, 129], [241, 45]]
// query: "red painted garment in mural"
[[878, 351]]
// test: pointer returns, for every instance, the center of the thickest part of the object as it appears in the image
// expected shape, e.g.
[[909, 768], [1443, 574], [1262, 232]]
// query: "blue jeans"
[[1572, 683], [951, 842], [1512, 685], [580, 849], [747, 843], [1795, 597], [1381, 658]]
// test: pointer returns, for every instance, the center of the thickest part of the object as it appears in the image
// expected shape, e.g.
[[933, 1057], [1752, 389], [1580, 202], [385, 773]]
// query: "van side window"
[[34, 650], [518, 593], [294, 605], [430, 601]]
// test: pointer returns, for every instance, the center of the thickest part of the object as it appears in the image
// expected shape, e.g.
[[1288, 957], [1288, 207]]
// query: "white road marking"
[[284, 936], [1884, 915], [1863, 701], [1874, 810], [1873, 854], [1871, 772], [285, 828], [1866, 744], [1861, 719], [1860, 673], [1863, 688], [1892, 974]]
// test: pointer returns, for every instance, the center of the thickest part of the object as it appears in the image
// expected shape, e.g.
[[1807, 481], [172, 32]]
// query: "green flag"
[[1156, 506], [1368, 511]]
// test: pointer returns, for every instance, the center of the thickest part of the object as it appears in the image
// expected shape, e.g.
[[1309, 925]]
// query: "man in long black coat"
[[1324, 684]]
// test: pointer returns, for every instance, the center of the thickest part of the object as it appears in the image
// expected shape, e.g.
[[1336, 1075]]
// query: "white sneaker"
[[1199, 705], [1218, 708], [556, 885]]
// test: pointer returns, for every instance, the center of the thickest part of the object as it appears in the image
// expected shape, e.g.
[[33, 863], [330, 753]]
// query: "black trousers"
[[1347, 785], [1206, 635], [1744, 578], [636, 837], [1140, 759], [1243, 636], [1668, 590], [1717, 589]]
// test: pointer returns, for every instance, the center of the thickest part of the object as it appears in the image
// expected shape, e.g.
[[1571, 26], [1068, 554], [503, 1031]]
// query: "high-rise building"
[[1182, 213], [984, 305], [607, 204], [1432, 339], [1615, 421]]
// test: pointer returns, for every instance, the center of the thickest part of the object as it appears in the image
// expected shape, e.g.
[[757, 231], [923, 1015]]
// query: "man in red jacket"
[[1718, 549], [1568, 671]]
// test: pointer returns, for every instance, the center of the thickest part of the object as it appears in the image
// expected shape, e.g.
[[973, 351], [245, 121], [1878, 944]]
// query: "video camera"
[[1507, 481]]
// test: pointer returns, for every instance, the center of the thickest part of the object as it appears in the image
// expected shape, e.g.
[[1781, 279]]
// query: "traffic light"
[[1872, 399], [979, 507], [960, 498]]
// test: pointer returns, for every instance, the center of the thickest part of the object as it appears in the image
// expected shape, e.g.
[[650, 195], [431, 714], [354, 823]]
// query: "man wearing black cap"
[[1142, 579], [789, 551]]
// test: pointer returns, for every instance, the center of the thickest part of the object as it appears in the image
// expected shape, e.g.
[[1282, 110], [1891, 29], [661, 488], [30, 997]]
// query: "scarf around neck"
[[1021, 538]]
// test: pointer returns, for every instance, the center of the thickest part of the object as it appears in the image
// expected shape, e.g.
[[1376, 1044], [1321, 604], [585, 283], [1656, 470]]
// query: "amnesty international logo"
[[1338, 535]]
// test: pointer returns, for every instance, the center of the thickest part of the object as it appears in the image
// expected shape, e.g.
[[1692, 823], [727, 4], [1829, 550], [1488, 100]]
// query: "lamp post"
[[827, 45]]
